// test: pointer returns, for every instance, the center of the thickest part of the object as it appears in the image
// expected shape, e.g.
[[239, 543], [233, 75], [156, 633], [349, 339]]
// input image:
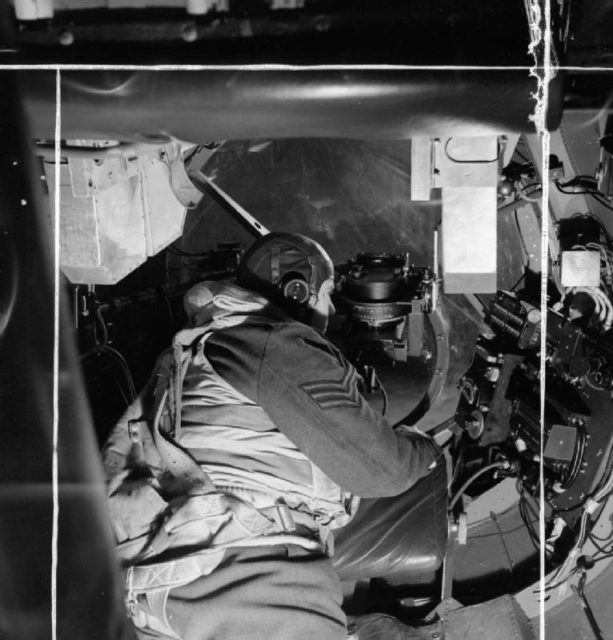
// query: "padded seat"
[[401, 539]]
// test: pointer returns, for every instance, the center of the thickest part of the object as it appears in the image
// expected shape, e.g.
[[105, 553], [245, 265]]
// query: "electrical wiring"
[[103, 347], [606, 253], [594, 192], [483, 536], [521, 191], [606, 262], [579, 542], [376, 384], [119, 358], [601, 296], [524, 506], [604, 545], [121, 362], [572, 554], [460, 492], [609, 536], [603, 310], [600, 247], [124, 397], [602, 550], [578, 179], [601, 538], [606, 314], [603, 492], [468, 389], [524, 495], [455, 467], [529, 524], [603, 306], [555, 585], [103, 328]]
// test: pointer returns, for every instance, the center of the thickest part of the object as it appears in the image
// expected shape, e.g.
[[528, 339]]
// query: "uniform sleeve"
[[311, 393]]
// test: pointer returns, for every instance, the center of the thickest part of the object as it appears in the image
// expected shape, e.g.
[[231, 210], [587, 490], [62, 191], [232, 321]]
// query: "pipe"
[[234, 104]]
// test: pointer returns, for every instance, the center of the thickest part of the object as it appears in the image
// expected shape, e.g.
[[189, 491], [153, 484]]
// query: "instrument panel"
[[500, 402]]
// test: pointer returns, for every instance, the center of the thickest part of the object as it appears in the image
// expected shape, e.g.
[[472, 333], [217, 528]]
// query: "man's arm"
[[310, 391]]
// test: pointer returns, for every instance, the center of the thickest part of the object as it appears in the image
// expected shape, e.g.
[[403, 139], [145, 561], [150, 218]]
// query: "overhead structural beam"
[[233, 104]]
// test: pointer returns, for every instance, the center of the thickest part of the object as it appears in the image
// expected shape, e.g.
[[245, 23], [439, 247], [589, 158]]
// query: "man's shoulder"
[[274, 336], [254, 325]]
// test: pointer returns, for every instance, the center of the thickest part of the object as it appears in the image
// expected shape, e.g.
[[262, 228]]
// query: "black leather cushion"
[[402, 539]]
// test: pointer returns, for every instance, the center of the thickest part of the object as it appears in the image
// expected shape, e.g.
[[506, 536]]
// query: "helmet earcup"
[[295, 290], [287, 267]]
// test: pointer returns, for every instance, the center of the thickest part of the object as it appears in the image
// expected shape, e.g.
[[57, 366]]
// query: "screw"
[[66, 37], [322, 24], [189, 32]]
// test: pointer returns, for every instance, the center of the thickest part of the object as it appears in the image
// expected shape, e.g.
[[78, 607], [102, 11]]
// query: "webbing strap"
[[180, 464], [174, 573], [240, 523], [179, 571], [193, 479], [167, 405]]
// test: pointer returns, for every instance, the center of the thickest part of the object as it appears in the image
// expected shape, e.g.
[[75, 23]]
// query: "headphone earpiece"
[[296, 290]]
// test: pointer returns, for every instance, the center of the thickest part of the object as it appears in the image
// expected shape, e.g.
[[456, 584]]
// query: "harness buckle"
[[131, 601], [134, 430], [284, 517]]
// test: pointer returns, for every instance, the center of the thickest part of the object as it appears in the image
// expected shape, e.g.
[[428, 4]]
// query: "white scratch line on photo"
[[56, 353]]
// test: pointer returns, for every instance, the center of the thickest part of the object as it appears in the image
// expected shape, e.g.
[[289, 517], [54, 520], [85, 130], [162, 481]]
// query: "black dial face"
[[295, 291]]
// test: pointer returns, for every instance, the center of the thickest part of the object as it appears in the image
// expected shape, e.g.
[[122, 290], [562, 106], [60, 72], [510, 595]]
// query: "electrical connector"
[[590, 506]]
